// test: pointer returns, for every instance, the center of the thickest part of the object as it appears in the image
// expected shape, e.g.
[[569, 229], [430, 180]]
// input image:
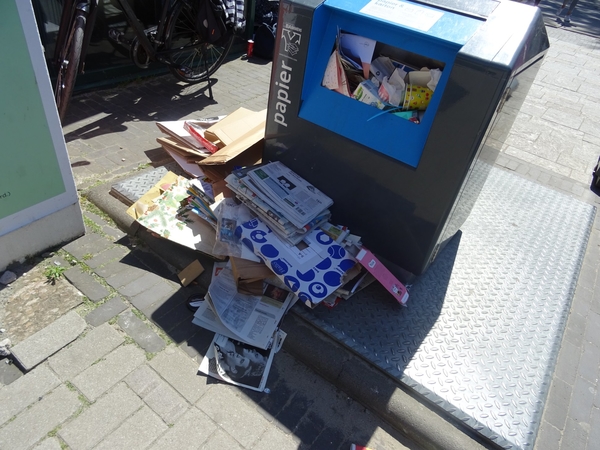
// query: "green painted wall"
[[29, 169]]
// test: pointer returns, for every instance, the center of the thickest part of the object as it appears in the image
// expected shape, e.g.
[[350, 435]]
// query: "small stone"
[[57, 263], [4, 347], [8, 277]]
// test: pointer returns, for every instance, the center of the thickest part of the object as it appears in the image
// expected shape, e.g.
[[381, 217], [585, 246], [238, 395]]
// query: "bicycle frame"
[[70, 7], [90, 7]]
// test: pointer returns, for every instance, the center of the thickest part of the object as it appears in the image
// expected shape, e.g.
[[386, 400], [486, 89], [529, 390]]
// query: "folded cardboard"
[[248, 156], [249, 275], [247, 134], [185, 151], [234, 126], [176, 131]]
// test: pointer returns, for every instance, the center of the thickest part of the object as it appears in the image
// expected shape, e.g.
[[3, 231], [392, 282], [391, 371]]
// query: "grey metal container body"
[[405, 214]]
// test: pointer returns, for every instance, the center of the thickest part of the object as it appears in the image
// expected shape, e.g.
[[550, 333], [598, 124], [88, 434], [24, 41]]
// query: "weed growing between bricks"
[[90, 207], [93, 226]]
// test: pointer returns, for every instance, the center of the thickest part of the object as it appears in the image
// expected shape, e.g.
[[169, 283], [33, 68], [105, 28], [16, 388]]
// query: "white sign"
[[406, 14]]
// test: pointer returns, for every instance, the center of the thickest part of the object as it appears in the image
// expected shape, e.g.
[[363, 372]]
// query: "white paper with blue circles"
[[313, 273]]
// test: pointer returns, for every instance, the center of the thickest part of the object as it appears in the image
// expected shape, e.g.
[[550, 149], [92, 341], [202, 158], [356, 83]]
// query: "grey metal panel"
[[476, 8], [483, 325]]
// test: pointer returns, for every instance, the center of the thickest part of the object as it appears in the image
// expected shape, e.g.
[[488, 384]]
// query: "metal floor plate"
[[133, 188], [482, 328]]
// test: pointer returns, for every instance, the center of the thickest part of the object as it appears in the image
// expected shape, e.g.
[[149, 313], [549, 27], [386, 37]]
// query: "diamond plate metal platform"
[[482, 329], [131, 190]]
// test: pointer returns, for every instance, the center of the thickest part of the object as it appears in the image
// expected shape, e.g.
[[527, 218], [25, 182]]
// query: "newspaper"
[[239, 363], [249, 318], [295, 197]]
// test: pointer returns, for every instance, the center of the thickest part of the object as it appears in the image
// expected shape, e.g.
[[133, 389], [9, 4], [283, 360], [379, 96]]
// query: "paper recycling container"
[[404, 187]]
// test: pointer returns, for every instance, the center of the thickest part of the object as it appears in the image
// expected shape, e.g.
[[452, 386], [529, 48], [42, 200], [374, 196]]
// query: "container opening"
[[390, 79]]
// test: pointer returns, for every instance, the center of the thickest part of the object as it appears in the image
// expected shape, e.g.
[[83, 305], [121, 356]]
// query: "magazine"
[[250, 318], [238, 363]]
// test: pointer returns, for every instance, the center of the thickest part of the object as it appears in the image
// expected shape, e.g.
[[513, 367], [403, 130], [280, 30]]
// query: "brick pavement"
[[134, 394], [110, 378]]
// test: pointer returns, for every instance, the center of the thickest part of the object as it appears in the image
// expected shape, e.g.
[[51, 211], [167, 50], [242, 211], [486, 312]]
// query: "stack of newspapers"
[[287, 203]]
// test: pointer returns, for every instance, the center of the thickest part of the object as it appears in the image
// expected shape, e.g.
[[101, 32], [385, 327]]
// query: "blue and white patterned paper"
[[312, 273]]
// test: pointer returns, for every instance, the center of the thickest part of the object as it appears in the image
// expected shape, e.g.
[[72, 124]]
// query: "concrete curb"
[[333, 361]]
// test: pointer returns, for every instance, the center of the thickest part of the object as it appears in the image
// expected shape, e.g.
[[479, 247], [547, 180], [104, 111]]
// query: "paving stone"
[[309, 428], [50, 443], [181, 372], [157, 394], [239, 419], [582, 399], [140, 332], [575, 436], [188, 433], [275, 439], [44, 416], [555, 411], [99, 378], [9, 372], [101, 418], [49, 340], [118, 274], [87, 284], [90, 243], [548, 437], [291, 415], [106, 311], [112, 254], [120, 279], [25, 391], [73, 360], [139, 431], [142, 284], [160, 293], [329, 438], [220, 440]]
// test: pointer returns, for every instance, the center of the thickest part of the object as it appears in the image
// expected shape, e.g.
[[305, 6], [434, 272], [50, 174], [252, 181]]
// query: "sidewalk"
[[116, 367]]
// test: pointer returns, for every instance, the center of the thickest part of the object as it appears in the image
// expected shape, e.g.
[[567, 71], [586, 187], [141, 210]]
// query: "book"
[[381, 273]]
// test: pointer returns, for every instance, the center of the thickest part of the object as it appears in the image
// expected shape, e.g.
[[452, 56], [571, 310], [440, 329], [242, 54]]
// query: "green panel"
[[29, 173]]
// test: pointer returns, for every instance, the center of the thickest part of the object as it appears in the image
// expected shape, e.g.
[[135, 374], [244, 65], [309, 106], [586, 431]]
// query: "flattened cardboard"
[[248, 157], [234, 126], [190, 273], [237, 147], [185, 151]]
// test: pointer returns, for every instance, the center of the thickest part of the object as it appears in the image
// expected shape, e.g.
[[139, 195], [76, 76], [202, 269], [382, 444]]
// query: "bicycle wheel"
[[69, 64], [193, 60]]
